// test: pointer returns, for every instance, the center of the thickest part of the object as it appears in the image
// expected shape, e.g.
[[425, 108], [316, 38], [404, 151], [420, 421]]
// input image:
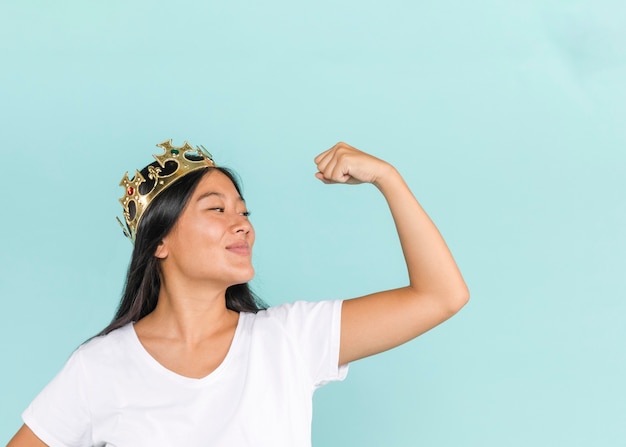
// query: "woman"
[[191, 359]]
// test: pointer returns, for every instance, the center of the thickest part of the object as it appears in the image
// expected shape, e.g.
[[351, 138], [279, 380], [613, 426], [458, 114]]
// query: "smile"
[[240, 248]]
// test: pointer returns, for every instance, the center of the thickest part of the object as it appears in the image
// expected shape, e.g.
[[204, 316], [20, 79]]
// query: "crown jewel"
[[174, 163]]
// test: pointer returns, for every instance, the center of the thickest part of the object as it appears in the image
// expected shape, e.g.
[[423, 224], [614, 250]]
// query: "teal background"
[[505, 117]]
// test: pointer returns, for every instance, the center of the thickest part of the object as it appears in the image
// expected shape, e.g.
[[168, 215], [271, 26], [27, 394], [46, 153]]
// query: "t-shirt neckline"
[[147, 359]]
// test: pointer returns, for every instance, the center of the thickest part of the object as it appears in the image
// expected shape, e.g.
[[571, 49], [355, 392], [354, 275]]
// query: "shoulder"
[[104, 349], [306, 332], [299, 318], [300, 310]]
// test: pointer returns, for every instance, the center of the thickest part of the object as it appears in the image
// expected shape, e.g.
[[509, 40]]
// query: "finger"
[[321, 177], [324, 160], [323, 155], [337, 171], [341, 173], [332, 150]]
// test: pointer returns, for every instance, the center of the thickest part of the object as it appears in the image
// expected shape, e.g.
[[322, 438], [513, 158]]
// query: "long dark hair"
[[143, 280]]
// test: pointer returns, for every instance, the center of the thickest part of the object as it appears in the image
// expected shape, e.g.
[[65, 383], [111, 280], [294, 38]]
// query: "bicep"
[[384, 320], [26, 438]]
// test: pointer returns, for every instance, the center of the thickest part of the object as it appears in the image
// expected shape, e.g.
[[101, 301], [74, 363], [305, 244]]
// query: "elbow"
[[464, 297], [457, 299]]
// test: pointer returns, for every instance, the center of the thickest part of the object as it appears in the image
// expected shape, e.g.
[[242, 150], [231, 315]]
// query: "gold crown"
[[135, 203]]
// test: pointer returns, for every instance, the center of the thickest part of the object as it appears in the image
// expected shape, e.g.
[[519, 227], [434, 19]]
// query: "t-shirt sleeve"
[[59, 415], [315, 327]]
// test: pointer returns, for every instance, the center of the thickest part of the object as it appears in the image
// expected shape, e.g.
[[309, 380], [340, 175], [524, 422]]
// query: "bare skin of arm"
[[25, 438], [436, 290]]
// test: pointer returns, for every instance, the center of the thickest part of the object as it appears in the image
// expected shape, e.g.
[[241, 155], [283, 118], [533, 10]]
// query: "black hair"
[[143, 281]]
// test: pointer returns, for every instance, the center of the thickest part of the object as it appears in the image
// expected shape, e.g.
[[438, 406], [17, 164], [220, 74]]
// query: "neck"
[[189, 314]]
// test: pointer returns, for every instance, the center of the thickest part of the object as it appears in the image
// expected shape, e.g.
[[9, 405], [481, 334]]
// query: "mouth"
[[240, 248]]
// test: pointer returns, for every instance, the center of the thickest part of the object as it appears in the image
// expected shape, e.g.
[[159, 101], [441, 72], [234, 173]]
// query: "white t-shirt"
[[112, 392]]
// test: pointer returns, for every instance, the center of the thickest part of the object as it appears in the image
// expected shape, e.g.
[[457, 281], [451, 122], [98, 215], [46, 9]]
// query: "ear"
[[161, 251]]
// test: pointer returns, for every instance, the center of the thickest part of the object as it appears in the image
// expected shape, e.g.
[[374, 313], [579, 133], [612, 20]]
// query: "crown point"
[[167, 144], [206, 154]]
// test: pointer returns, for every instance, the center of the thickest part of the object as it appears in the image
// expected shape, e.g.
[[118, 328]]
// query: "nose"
[[242, 225]]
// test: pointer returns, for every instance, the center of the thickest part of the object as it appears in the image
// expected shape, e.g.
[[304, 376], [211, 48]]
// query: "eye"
[[245, 213], [219, 210]]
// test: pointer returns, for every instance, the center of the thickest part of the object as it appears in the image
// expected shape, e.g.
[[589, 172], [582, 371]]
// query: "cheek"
[[205, 229], [193, 240], [211, 234]]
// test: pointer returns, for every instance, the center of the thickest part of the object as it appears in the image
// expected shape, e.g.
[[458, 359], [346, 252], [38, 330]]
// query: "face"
[[211, 242]]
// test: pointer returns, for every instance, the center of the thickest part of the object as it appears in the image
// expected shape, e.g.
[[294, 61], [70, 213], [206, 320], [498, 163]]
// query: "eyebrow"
[[218, 194]]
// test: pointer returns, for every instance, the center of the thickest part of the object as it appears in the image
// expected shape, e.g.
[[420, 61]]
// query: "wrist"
[[387, 176]]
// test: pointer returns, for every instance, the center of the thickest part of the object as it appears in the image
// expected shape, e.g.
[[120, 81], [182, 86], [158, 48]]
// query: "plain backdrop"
[[505, 117]]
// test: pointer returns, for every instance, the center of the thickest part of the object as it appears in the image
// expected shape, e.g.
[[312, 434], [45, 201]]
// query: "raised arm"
[[436, 290]]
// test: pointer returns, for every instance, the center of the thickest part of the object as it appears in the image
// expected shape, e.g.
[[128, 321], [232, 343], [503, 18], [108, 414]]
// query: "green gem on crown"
[[174, 152]]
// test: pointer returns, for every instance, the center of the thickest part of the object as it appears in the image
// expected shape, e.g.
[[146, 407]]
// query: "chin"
[[245, 277], [249, 276]]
